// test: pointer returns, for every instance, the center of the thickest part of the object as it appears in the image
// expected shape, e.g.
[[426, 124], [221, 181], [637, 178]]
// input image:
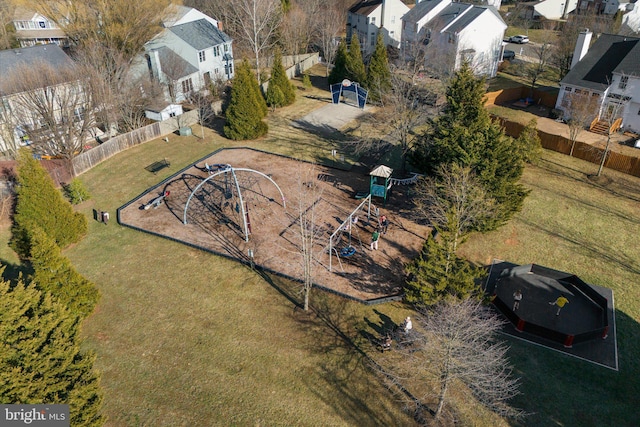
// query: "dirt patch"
[[214, 220]]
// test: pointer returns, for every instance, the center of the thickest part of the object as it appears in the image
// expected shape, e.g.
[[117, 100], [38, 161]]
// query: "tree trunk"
[[604, 155]]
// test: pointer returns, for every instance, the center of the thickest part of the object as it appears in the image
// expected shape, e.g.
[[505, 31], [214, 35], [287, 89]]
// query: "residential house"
[[189, 54], [367, 17], [20, 120], [610, 71], [33, 28], [604, 7], [549, 9], [451, 33]]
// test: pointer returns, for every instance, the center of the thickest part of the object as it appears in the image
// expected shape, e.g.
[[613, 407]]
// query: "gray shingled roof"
[[420, 10], [365, 7], [173, 65], [447, 15], [10, 59], [609, 54], [466, 19], [200, 34]]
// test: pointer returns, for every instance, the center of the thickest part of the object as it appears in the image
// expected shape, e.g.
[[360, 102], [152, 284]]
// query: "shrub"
[[76, 192], [306, 80]]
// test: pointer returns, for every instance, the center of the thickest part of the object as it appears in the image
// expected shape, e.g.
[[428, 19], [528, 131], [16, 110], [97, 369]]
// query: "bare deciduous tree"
[[454, 346], [7, 31], [579, 111], [53, 105], [329, 24], [543, 53], [296, 29], [454, 202], [405, 109], [257, 22]]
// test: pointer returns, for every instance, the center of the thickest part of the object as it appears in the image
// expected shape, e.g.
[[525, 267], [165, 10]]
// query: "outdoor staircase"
[[601, 127]]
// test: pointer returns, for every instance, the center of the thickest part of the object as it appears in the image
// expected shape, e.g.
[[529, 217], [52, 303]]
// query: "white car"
[[519, 39]]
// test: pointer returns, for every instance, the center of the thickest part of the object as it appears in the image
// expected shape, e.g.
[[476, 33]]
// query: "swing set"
[[348, 226]]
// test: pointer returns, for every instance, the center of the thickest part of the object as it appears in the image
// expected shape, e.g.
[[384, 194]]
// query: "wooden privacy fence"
[[616, 161], [85, 161]]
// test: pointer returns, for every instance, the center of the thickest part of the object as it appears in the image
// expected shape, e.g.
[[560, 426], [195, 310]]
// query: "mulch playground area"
[[214, 220]]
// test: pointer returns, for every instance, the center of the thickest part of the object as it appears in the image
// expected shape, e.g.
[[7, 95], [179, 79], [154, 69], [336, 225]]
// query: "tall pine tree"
[[466, 135], [339, 70], [355, 65], [437, 274], [378, 75], [40, 357], [54, 273], [40, 204], [280, 81], [247, 107]]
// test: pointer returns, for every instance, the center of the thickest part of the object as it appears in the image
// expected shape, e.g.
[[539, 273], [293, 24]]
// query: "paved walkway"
[[331, 117]]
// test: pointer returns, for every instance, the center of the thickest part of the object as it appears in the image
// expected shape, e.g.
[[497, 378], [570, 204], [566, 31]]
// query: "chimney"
[[582, 46], [220, 26]]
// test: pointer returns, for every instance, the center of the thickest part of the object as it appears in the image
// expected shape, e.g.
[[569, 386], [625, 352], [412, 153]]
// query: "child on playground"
[[374, 240], [384, 224]]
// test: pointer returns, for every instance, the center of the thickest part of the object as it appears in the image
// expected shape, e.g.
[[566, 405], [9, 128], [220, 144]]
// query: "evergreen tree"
[[529, 143], [355, 65], [40, 357], [247, 107], [437, 274], [466, 135], [40, 204], [279, 80], [339, 71], [275, 97], [379, 75], [54, 273]]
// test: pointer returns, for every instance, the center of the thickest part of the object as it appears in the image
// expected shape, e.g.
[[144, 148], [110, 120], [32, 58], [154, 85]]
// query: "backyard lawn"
[[185, 338]]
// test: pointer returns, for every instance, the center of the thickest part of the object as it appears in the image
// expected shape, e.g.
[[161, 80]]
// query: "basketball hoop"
[[346, 83]]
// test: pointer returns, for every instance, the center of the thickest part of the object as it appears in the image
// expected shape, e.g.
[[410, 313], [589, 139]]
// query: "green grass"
[[572, 224], [187, 338], [518, 116]]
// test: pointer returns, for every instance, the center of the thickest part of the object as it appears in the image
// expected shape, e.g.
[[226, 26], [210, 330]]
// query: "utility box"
[[186, 131]]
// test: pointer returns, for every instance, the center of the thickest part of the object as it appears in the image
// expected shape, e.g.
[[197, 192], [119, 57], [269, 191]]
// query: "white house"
[[30, 115], [554, 9], [455, 32], [33, 28], [610, 71], [189, 54], [367, 17]]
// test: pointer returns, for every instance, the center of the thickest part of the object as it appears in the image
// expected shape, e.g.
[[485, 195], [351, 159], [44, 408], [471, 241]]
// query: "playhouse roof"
[[381, 171]]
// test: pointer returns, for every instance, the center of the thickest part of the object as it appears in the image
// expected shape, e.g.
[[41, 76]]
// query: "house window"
[[393, 19], [568, 89], [187, 86], [201, 56], [42, 24], [172, 114], [391, 33], [372, 41], [216, 51], [623, 82], [226, 48], [217, 71], [372, 20], [230, 68]]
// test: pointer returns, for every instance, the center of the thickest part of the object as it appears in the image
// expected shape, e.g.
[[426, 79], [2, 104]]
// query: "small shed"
[[163, 111], [380, 181]]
